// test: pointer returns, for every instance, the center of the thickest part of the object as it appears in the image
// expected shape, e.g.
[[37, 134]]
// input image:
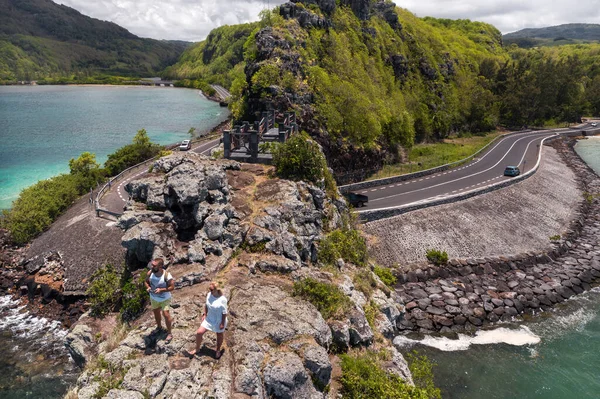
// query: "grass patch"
[[364, 378], [111, 377], [385, 275], [427, 156], [329, 299], [365, 282], [555, 237], [371, 311], [346, 244], [259, 247], [437, 257]]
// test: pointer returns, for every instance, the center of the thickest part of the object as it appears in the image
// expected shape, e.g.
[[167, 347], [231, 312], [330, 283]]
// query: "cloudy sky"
[[192, 20]]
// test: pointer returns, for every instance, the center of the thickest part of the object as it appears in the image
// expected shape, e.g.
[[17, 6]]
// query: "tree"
[[84, 165]]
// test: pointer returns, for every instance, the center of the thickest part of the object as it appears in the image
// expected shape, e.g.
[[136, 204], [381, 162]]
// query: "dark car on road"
[[356, 200], [512, 171]]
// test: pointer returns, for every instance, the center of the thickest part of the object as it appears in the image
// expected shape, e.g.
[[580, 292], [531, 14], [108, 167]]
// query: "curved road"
[[517, 149], [114, 200]]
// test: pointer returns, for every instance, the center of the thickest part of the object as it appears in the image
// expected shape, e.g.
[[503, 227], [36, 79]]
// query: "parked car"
[[594, 124], [512, 171], [185, 145], [356, 200]]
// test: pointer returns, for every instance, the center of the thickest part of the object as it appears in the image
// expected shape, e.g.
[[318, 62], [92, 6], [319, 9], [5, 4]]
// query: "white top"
[[217, 307], [160, 282]]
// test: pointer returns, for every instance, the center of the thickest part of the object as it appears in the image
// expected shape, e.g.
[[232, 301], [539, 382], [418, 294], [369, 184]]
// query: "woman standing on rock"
[[214, 318], [159, 284]]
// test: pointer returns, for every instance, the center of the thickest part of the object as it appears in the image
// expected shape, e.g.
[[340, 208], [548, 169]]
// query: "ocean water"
[[34, 361], [589, 150], [42, 127], [551, 355]]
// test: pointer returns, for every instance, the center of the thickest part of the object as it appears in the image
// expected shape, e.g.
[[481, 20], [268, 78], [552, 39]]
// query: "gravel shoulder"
[[517, 219]]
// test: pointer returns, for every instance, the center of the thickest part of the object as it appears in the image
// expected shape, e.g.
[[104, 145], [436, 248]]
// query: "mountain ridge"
[[41, 39]]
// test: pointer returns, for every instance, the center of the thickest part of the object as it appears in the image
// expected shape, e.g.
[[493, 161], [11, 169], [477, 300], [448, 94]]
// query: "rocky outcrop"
[[198, 214]]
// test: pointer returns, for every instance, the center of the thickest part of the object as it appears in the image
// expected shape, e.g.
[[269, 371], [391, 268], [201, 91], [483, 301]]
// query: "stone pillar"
[[282, 133], [226, 143], [253, 144]]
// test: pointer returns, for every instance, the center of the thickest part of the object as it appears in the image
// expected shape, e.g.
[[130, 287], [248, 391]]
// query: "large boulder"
[[80, 343]]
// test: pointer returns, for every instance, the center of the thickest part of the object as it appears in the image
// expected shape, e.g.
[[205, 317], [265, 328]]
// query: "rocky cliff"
[[220, 220]]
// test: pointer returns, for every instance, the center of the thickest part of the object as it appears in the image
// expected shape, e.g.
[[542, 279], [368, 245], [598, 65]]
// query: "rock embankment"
[[219, 220], [468, 293]]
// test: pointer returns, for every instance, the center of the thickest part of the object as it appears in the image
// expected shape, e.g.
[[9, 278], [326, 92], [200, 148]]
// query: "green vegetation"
[[371, 312], [386, 275], [41, 204], [329, 300], [258, 247], [138, 151], [41, 40], [431, 155], [364, 282], [437, 257], [111, 290], [346, 244], [555, 237], [219, 59], [104, 291], [301, 158], [112, 377], [363, 377], [421, 370]]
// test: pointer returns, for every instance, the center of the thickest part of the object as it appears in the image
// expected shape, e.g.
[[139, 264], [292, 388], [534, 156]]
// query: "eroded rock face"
[[188, 211]]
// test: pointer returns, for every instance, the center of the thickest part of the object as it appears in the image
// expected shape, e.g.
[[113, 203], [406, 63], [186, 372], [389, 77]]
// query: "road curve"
[[115, 199], [517, 149]]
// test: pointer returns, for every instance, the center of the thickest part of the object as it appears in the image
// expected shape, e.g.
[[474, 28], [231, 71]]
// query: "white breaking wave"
[[520, 337], [23, 325]]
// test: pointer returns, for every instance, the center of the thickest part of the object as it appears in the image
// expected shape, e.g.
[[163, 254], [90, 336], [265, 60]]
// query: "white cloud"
[[192, 20]]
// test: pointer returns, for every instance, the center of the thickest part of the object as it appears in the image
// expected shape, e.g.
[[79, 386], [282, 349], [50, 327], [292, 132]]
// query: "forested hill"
[[555, 35], [41, 39], [368, 79]]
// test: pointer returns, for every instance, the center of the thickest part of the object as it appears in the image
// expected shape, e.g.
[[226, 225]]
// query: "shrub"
[[555, 237], [138, 151], [134, 297], [104, 291], [39, 205], [364, 378], [385, 275], [301, 158], [371, 310], [347, 244], [422, 373], [437, 257], [329, 299]]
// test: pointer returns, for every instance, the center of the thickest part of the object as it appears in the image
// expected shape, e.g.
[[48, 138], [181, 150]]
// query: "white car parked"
[[185, 145]]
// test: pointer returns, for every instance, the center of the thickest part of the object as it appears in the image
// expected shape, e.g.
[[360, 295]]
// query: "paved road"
[[115, 199], [518, 149], [221, 92]]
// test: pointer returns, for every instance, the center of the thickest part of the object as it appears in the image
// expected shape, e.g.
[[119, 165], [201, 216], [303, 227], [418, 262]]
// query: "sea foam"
[[519, 337]]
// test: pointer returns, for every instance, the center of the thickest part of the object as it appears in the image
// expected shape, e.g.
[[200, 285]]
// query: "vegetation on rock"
[[329, 300], [437, 257], [363, 377], [346, 244]]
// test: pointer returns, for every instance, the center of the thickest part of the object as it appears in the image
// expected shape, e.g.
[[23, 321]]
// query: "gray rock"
[[123, 394], [360, 331], [79, 342], [286, 378], [340, 334], [316, 360]]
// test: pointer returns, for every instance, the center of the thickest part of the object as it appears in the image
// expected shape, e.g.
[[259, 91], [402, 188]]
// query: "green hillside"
[[40, 39], [368, 79], [554, 35]]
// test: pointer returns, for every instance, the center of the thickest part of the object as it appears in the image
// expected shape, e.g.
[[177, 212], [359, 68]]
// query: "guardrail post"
[[226, 143]]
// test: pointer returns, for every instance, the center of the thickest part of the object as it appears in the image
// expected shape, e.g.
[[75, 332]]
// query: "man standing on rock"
[[159, 284]]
